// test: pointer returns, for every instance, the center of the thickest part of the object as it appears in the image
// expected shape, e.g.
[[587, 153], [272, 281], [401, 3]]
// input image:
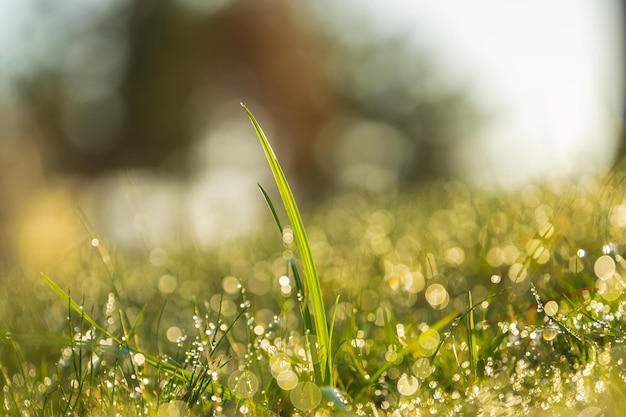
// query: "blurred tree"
[[133, 86], [172, 63]]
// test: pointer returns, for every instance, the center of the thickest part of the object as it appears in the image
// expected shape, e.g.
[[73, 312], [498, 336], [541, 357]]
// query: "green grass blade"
[[314, 291], [304, 307], [75, 306], [296, 275], [471, 335], [270, 205]]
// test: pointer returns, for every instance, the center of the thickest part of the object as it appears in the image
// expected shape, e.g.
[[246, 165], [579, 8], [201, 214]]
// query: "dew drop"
[[604, 358], [549, 333], [243, 382], [287, 379], [305, 396], [279, 363], [407, 385], [173, 409], [139, 359], [551, 308], [230, 284], [604, 267], [158, 257], [422, 368], [437, 296], [591, 412], [429, 340], [546, 230], [610, 289], [517, 272], [285, 291], [283, 281], [173, 334], [288, 236], [167, 284]]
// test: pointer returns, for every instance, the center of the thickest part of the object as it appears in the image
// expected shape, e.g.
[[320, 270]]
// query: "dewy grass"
[[453, 302], [313, 289], [198, 381]]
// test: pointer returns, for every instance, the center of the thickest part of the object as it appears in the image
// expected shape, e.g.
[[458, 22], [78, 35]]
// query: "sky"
[[547, 73]]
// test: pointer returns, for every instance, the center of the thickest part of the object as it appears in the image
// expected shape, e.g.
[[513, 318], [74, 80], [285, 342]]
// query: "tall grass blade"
[[74, 305], [307, 321], [471, 335], [296, 275], [313, 289]]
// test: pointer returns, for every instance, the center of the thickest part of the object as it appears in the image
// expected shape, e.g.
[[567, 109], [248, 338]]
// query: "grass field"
[[441, 300]]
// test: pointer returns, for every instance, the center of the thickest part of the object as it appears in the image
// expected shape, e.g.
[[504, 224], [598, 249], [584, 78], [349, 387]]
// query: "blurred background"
[[128, 111]]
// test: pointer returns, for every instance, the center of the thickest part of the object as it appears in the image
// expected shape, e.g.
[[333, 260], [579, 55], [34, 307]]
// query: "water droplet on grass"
[[429, 340], [422, 368], [167, 284], [549, 333], [591, 412], [158, 257], [139, 359], [437, 296], [287, 379], [604, 358], [604, 267], [551, 308], [517, 272], [305, 396], [407, 385], [279, 363], [611, 289], [173, 409], [243, 382], [284, 281], [173, 334], [546, 230], [288, 236], [230, 284]]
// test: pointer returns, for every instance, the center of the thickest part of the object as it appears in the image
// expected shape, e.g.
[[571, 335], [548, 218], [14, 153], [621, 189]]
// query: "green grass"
[[311, 292], [442, 300]]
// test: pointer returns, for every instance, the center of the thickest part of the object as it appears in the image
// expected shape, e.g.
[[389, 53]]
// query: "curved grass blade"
[[311, 280], [304, 307], [299, 284]]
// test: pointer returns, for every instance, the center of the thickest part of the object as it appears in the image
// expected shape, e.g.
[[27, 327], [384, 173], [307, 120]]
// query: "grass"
[[312, 292], [451, 301]]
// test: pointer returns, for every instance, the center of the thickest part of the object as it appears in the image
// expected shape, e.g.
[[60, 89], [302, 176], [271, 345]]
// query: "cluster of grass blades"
[[463, 309], [310, 291]]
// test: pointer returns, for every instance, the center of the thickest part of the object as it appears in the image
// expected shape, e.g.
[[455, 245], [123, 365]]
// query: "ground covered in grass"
[[444, 300]]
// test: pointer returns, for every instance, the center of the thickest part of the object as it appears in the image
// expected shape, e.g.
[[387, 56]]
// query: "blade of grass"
[[74, 305], [313, 289], [133, 328], [471, 335], [304, 307], [299, 284]]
